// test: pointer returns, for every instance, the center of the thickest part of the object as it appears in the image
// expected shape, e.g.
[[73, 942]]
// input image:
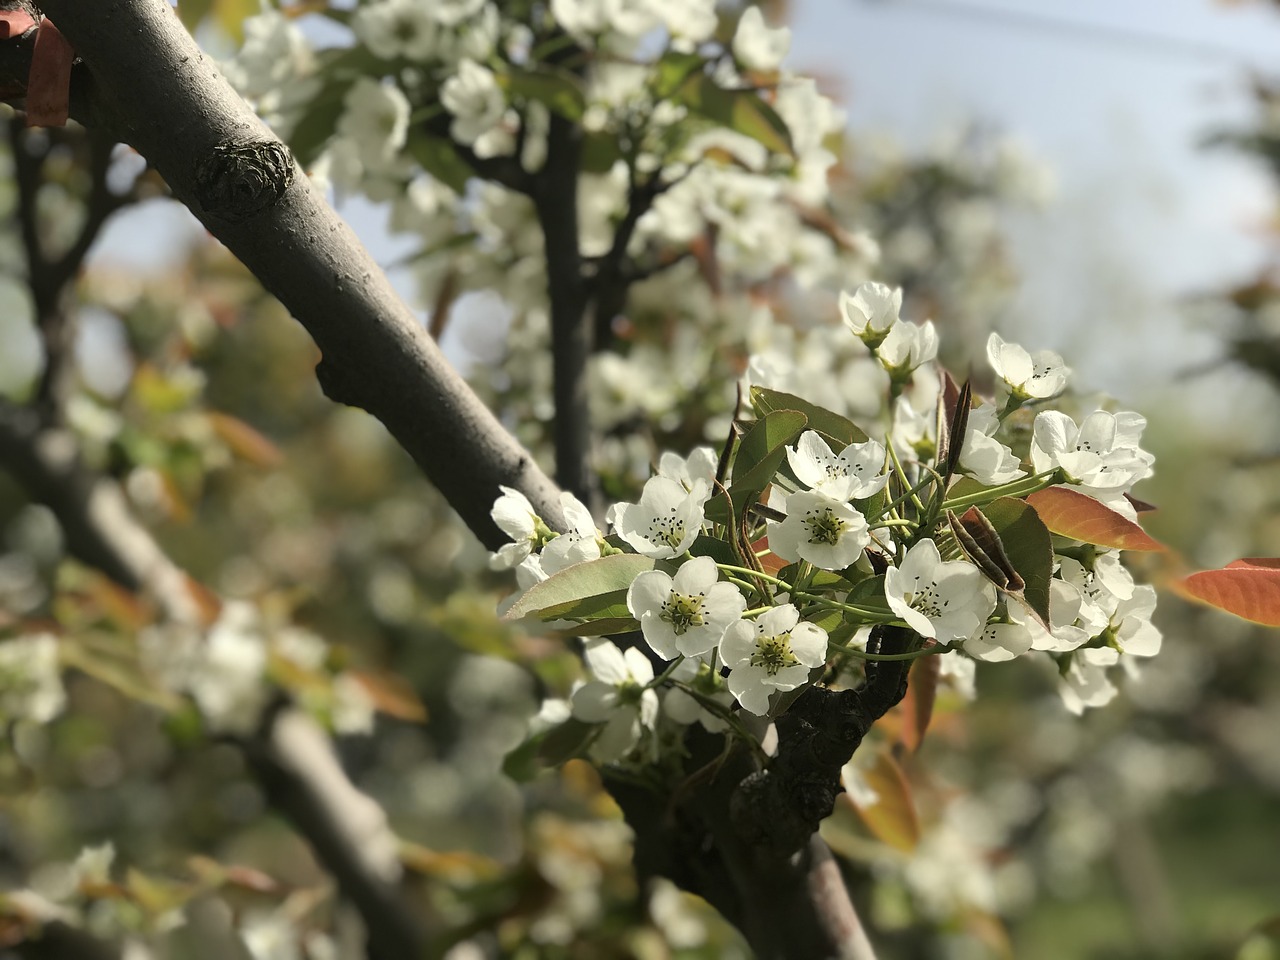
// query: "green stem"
[[863, 655], [1018, 488], [902, 475]]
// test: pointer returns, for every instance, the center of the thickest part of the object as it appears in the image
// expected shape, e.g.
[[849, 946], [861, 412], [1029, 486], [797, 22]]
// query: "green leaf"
[[1029, 547], [759, 455], [231, 15], [721, 551], [762, 442], [836, 430], [548, 749], [673, 71], [742, 111], [191, 12], [559, 91], [439, 158], [595, 578], [608, 627], [605, 605], [340, 68], [869, 593], [600, 151]]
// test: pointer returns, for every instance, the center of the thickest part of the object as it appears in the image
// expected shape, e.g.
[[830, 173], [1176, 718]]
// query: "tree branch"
[[146, 83], [555, 197], [291, 757], [48, 276]]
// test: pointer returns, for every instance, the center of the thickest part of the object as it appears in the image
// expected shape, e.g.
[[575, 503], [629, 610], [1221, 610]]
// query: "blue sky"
[[1115, 96]]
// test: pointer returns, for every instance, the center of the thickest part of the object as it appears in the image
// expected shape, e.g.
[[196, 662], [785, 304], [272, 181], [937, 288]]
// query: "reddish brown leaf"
[[1140, 505], [49, 82], [892, 818], [1249, 589], [392, 695], [771, 562], [917, 705], [244, 441], [1083, 518], [208, 606]]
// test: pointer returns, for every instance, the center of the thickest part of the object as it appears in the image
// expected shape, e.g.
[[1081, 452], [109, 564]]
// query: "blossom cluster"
[[737, 579]]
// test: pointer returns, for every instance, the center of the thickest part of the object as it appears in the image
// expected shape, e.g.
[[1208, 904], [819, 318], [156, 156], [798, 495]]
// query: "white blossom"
[[30, 682], [352, 709], [1066, 614], [1027, 376], [688, 614], [1101, 457], [667, 519], [1134, 633], [997, 642], [93, 865], [270, 935], [856, 473], [982, 456], [273, 53], [514, 516], [828, 533], [586, 19], [907, 346], [756, 45], [701, 464], [946, 600], [375, 118], [775, 652], [684, 708], [395, 29], [958, 671], [913, 434], [227, 681], [617, 697], [688, 21], [871, 311], [579, 543], [474, 98], [452, 12], [1084, 683]]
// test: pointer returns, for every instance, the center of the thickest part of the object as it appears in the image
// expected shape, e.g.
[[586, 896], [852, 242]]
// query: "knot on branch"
[[239, 180], [779, 808]]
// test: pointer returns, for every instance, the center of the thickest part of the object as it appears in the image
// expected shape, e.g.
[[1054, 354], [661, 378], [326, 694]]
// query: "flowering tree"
[[635, 183]]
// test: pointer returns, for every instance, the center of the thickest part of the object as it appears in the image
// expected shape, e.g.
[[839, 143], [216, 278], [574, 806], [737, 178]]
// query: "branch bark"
[[555, 197]]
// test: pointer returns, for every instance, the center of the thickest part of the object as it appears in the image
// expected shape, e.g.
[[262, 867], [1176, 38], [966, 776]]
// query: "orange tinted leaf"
[[455, 866], [248, 878], [892, 818], [392, 695], [244, 441], [1249, 588], [990, 932], [1083, 518], [207, 604], [917, 705]]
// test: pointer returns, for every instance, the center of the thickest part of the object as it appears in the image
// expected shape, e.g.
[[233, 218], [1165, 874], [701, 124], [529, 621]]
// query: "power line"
[[1064, 28]]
